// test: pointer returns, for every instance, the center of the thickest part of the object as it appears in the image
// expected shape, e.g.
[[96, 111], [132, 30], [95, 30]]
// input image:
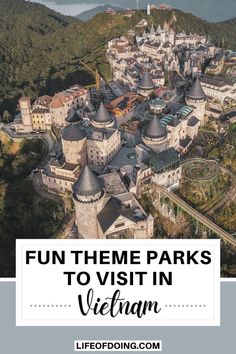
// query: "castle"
[[102, 166], [105, 175]]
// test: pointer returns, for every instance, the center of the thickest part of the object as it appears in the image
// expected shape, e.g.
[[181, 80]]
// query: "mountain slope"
[[211, 10], [40, 50], [87, 15]]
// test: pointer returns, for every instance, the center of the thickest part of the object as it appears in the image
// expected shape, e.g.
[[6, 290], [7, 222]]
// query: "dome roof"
[[73, 117], [102, 115], [73, 132], [88, 184], [146, 82], [196, 92], [155, 130]]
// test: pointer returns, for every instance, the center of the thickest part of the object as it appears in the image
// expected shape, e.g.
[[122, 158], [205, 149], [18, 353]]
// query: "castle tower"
[[172, 37], [103, 118], [74, 144], [88, 197], [197, 98], [25, 108], [155, 135], [159, 29], [152, 32], [150, 226], [146, 85]]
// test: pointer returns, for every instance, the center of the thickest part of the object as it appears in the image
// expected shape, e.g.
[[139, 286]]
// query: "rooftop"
[[113, 183], [100, 135], [193, 121], [196, 92], [73, 117], [146, 82], [130, 156], [218, 81], [185, 142], [154, 129], [112, 211], [73, 132], [88, 184], [164, 159], [102, 115]]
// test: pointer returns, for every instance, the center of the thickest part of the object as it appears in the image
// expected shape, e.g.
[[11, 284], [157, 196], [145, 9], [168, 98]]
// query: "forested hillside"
[[23, 214], [40, 49]]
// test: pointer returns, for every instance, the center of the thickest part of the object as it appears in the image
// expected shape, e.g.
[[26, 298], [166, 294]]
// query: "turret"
[[103, 118], [146, 85], [74, 144], [155, 135], [197, 98], [88, 197], [196, 93]]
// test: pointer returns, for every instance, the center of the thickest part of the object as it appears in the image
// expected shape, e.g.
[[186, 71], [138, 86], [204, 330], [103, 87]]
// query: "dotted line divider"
[[43, 305], [185, 305]]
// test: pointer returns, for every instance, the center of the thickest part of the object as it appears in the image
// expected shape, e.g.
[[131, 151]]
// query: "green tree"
[[6, 117]]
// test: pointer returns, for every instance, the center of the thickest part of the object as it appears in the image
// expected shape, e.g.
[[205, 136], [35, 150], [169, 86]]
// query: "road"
[[198, 216], [38, 186]]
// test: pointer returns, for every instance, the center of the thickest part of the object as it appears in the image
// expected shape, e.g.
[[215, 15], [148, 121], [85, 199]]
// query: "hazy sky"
[[212, 10], [68, 7]]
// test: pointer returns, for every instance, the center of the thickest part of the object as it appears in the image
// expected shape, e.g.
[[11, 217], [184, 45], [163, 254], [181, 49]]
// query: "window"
[[119, 225]]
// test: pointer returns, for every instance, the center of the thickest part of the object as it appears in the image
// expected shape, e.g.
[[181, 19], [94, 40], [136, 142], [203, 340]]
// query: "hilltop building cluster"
[[157, 50]]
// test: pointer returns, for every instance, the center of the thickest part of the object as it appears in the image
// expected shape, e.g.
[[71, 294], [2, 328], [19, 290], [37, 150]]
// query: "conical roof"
[[73, 132], [73, 117], [102, 115], [88, 184], [152, 31], [196, 92], [146, 81], [155, 130]]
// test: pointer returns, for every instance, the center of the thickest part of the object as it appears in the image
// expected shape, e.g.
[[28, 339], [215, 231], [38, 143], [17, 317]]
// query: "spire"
[[88, 184], [146, 81], [102, 115], [196, 92], [152, 31], [155, 130]]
